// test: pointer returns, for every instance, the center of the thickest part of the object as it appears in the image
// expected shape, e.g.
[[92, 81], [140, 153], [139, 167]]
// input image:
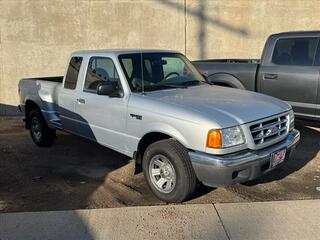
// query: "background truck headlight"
[[227, 137]]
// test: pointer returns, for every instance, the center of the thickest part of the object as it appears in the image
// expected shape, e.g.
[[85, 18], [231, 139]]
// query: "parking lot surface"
[[75, 173]]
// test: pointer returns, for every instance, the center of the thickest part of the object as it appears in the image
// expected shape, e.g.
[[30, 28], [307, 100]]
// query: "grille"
[[269, 130]]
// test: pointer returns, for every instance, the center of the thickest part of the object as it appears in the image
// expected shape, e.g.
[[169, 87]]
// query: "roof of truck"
[[121, 51], [298, 33]]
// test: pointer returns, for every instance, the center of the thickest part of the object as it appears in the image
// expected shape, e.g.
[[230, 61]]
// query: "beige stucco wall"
[[36, 36]]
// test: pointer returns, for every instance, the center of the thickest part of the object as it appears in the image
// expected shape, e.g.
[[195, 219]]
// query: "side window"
[[148, 71], [173, 66], [72, 73], [295, 51], [127, 64], [100, 69]]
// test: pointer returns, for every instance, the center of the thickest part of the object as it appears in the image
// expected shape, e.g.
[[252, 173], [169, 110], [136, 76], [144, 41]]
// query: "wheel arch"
[[29, 106], [226, 79], [148, 139]]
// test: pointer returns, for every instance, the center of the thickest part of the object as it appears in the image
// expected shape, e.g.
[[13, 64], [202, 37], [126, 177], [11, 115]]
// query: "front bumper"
[[225, 170]]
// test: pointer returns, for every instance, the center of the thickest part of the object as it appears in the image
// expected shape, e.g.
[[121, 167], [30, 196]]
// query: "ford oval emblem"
[[271, 131]]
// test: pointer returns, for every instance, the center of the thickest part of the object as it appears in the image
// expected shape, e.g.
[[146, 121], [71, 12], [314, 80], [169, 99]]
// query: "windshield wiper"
[[162, 87], [172, 86], [194, 83]]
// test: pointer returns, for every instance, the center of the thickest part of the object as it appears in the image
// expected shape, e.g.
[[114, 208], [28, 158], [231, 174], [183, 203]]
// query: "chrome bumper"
[[225, 170]]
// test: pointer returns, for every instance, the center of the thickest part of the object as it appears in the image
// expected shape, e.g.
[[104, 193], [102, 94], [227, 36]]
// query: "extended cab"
[[289, 69], [154, 106]]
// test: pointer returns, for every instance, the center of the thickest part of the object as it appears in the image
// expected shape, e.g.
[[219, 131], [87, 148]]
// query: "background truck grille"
[[266, 131]]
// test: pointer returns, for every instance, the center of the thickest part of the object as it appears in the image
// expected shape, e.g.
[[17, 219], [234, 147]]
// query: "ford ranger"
[[154, 106], [289, 69]]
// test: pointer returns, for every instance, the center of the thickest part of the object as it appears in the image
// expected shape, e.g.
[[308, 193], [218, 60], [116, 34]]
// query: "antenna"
[[141, 60], [142, 80]]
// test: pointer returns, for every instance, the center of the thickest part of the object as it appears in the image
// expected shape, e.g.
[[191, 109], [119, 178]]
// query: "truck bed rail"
[[255, 61], [57, 79]]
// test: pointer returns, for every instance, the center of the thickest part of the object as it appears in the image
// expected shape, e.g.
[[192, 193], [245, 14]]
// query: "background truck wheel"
[[41, 134], [168, 170]]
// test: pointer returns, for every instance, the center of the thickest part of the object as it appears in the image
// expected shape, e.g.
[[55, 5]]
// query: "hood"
[[226, 106]]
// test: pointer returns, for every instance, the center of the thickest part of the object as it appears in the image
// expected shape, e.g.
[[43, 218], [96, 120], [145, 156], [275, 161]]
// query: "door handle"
[[81, 100], [270, 76]]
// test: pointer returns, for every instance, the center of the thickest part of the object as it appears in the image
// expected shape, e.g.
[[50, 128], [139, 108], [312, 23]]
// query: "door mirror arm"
[[116, 94]]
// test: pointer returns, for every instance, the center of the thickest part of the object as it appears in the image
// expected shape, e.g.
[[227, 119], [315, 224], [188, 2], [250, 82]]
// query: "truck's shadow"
[[9, 110], [307, 150], [73, 174]]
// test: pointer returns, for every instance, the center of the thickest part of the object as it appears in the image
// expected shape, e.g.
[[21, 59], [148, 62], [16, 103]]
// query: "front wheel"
[[168, 171], [41, 134]]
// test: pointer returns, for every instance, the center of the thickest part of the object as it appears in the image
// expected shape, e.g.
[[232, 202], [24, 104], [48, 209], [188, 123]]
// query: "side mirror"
[[106, 88]]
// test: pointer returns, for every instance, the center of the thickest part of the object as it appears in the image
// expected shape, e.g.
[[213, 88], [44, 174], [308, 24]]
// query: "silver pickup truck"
[[154, 106]]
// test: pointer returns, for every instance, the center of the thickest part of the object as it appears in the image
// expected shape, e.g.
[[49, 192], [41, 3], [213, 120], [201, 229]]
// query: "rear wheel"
[[41, 134], [168, 171]]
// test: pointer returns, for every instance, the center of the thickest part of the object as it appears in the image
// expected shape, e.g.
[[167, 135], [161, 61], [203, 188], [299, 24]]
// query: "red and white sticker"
[[278, 157]]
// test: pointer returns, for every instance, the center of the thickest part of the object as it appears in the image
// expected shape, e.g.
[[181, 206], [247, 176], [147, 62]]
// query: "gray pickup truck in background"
[[288, 69]]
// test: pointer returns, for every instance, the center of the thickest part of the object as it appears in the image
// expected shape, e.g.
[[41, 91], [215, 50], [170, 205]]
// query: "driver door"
[[292, 75], [105, 117]]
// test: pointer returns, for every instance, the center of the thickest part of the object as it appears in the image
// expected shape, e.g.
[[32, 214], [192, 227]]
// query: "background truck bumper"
[[217, 171]]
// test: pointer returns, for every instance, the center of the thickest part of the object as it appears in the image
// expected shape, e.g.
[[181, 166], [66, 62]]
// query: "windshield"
[[159, 71]]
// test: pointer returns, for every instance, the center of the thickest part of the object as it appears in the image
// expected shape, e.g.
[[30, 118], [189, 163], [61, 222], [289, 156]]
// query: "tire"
[[176, 170], [41, 134]]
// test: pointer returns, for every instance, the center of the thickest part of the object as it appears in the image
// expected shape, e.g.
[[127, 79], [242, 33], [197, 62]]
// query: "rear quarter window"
[[295, 51], [73, 73]]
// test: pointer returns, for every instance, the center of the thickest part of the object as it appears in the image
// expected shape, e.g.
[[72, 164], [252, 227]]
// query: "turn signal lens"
[[214, 139]]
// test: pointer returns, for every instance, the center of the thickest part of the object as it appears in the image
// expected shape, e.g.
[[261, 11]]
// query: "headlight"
[[227, 137], [291, 120]]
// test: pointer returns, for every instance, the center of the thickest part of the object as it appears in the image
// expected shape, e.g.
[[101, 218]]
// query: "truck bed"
[[44, 93], [220, 70]]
